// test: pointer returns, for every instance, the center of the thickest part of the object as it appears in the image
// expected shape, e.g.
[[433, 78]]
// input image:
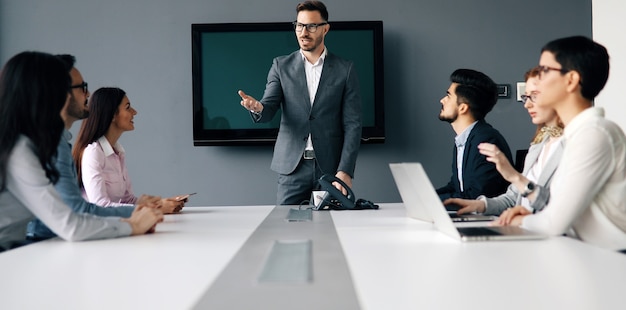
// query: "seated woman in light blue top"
[[540, 164], [34, 88]]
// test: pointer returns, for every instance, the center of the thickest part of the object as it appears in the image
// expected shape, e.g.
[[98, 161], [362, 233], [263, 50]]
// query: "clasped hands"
[[149, 212], [166, 205]]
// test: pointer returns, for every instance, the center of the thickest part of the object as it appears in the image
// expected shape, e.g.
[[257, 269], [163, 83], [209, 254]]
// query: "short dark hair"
[[313, 6], [476, 89], [33, 90], [103, 105], [68, 60], [583, 55]]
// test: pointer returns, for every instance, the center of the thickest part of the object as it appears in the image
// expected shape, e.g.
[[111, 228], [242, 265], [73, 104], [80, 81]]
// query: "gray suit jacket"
[[512, 197], [334, 120]]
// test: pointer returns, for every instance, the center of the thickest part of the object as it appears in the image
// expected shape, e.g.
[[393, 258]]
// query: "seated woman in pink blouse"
[[100, 158]]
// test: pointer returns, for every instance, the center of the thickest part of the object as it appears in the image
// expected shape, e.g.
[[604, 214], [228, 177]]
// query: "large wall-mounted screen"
[[233, 56]]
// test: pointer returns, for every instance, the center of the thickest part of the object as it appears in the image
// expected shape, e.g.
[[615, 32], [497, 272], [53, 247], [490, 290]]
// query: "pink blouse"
[[104, 174]]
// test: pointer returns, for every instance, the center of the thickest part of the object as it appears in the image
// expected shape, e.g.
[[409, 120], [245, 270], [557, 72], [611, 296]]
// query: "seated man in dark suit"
[[469, 98]]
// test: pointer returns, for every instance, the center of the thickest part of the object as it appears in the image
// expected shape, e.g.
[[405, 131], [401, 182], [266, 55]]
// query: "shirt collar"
[[108, 149], [461, 139], [67, 135], [581, 119], [319, 60]]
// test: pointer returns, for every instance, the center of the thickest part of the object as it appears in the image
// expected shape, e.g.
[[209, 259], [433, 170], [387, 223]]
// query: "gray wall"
[[144, 47]]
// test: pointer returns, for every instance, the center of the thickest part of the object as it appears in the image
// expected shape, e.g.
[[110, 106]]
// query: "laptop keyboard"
[[469, 217], [478, 231]]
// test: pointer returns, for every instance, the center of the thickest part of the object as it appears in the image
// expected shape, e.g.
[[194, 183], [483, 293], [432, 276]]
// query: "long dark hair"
[[103, 105], [33, 89]]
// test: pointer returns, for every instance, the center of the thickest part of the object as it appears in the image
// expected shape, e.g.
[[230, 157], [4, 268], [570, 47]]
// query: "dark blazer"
[[334, 120], [480, 177]]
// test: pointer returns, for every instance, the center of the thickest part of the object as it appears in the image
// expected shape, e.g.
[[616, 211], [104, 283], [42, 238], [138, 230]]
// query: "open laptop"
[[423, 194], [415, 207]]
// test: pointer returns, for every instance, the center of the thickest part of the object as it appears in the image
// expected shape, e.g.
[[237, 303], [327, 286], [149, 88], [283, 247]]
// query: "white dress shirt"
[[459, 142], [587, 195], [313, 75]]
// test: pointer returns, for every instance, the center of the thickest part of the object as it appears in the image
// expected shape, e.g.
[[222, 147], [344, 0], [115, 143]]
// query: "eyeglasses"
[[545, 69], [83, 85], [532, 98], [309, 27]]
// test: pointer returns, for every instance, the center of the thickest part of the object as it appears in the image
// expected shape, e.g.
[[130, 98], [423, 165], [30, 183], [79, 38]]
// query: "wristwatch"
[[530, 187]]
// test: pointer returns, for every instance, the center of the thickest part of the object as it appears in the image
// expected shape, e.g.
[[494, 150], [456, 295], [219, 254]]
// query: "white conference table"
[[169, 269], [395, 263]]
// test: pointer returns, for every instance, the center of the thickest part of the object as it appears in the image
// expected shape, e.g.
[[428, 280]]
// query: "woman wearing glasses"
[[100, 158], [34, 88], [540, 164]]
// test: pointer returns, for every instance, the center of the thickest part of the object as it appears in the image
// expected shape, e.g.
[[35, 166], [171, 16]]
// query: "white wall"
[[608, 29]]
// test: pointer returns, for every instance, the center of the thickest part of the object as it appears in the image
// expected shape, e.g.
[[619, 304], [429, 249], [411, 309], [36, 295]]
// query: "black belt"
[[308, 154]]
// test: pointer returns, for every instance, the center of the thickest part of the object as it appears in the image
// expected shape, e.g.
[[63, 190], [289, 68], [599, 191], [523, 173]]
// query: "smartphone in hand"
[[183, 198]]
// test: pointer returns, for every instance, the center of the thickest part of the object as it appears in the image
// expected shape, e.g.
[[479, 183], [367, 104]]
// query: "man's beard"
[[449, 119], [77, 111], [312, 47]]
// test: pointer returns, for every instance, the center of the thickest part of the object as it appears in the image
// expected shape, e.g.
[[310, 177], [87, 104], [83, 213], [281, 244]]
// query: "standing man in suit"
[[318, 93], [469, 98]]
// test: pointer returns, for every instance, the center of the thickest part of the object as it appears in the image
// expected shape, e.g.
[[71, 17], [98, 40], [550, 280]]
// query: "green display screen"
[[230, 57]]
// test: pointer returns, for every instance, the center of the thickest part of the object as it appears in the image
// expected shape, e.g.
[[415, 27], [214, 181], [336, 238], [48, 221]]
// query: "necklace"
[[553, 131]]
